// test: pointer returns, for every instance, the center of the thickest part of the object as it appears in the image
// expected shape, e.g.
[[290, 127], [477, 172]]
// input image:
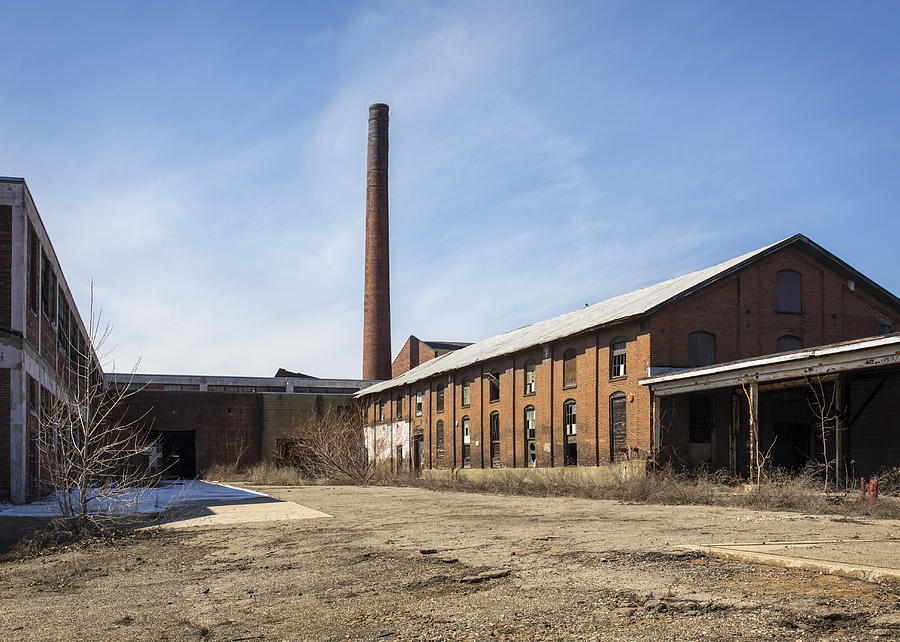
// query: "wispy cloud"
[[210, 177]]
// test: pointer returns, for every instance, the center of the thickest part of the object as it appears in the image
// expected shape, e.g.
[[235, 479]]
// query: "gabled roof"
[[617, 309]]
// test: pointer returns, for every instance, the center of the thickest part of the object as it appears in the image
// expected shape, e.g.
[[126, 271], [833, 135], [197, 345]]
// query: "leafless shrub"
[[94, 463], [234, 446], [329, 445]]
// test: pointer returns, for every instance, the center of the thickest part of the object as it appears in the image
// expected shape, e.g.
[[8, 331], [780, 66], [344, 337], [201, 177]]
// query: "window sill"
[[528, 394], [493, 401], [570, 387], [796, 314], [619, 378], [465, 405]]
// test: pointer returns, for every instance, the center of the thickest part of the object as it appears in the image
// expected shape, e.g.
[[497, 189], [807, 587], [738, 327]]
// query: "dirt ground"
[[407, 563]]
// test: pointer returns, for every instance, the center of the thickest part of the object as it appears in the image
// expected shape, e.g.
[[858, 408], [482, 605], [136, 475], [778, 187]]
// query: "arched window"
[[439, 441], [789, 342], [439, 398], [466, 391], [569, 376], [571, 434], [618, 432], [495, 439], [702, 349], [788, 291], [530, 446], [529, 377], [617, 348], [466, 443], [494, 385]]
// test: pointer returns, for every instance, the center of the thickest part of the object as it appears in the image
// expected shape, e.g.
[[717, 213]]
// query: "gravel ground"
[[412, 564]]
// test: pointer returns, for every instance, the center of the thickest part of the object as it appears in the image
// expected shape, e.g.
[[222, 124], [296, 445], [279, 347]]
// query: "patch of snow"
[[145, 500]]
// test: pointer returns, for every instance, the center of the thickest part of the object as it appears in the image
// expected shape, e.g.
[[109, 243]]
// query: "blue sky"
[[204, 162]]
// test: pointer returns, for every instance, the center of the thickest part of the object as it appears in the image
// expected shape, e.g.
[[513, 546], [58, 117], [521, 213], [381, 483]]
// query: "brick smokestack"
[[377, 296]]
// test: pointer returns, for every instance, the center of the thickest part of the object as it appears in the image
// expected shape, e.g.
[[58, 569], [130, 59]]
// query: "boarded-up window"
[[439, 441], [439, 398], [466, 443], [530, 447], [569, 371], [618, 432], [494, 385], [529, 377], [571, 433], [399, 407], [62, 323], [789, 342], [48, 288], [466, 391], [495, 439], [34, 251], [617, 349], [702, 349], [788, 291]]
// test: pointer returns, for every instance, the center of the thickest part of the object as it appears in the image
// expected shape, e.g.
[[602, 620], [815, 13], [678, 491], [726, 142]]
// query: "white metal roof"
[[612, 310]]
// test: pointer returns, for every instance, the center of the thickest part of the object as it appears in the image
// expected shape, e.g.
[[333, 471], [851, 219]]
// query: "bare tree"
[[330, 444], [823, 405], [94, 463]]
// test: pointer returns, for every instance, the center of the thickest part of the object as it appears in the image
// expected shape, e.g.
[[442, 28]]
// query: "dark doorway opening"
[[177, 453], [418, 452]]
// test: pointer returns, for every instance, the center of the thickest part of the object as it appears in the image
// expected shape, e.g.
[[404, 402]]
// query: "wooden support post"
[[839, 469], [654, 428], [733, 434]]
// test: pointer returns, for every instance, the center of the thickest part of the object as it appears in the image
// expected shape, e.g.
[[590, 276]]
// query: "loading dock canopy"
[[822, 361]]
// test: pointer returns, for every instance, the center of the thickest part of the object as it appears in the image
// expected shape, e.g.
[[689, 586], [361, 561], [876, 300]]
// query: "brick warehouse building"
[[42, 335], [201, 420], [566, 391]]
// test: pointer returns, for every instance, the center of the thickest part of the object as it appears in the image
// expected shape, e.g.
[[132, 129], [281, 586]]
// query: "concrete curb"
[[855, 571]]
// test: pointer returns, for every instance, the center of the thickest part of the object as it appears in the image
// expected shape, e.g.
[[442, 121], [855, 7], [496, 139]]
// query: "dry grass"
[[781, 491], [264, 474]]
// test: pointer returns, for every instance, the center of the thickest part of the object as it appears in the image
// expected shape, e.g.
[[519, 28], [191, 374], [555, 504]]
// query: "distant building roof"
[[617, 309], [287, 373], [446, 345]]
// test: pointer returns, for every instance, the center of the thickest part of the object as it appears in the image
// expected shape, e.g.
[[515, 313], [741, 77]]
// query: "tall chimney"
[[377, 296]]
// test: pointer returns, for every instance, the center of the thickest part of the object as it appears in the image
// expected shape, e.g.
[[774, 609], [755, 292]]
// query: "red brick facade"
[[739, 310], [227, 426]]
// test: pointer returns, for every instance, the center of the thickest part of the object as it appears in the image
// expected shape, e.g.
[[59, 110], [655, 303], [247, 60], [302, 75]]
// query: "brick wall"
[[6, 265], [222, 421], [740, 311]]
